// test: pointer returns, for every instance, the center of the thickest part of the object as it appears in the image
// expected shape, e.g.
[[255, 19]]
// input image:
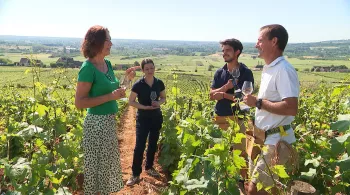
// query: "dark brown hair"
[[278, 31], [94, 41], [234, 43], [146, 61]]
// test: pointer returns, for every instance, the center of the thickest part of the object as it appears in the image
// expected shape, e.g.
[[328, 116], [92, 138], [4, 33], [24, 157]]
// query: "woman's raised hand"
[[130, 72], [118, 94]]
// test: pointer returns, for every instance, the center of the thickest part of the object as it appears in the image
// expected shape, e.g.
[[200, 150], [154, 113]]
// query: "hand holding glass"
[[247, 88]]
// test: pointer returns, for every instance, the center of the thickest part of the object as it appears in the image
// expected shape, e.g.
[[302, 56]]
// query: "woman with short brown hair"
[[150, 94]]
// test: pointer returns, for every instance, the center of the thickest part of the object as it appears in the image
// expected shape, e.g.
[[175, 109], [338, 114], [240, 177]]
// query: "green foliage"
[[40, 136], [210, 67], [324, 138], [4, 61], [197, 153]]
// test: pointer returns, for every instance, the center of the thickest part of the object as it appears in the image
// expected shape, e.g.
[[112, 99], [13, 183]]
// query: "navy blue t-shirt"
[[143, 91], [222, 75]]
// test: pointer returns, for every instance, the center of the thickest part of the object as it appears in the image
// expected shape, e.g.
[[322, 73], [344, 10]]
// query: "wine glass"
[[235, 74], [153, 95], [247, 88], [125, 83]]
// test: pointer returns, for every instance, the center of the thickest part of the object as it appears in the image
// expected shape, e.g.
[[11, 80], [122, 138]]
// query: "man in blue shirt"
[[222, 88], [225, 89]]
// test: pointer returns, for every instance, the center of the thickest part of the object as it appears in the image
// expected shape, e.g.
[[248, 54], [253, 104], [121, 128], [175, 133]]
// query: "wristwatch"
[[259, 103]]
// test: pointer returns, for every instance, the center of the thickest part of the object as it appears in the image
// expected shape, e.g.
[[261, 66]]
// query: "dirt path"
[[127, 139]]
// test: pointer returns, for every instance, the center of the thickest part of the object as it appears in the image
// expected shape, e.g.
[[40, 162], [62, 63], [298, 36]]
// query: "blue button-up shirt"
[[222, 75]]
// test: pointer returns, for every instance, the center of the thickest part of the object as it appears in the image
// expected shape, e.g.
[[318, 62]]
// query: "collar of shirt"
[[275, 62], [241, 67], [144, 81]]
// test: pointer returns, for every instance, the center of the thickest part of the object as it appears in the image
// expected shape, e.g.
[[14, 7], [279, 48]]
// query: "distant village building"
[[160, 49], [341, 68], [69, 62], [258, 67], [28, 62], [24, 62], [122, 66], [71, 49], [65, 60]]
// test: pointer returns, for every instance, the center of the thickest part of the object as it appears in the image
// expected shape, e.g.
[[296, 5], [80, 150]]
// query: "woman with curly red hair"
[[97, 90]]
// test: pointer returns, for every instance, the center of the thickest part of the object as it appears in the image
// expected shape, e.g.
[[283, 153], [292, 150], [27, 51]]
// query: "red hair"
[[94, 41]]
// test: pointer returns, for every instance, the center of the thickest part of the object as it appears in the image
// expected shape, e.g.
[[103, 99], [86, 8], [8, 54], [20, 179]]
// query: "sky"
[[197, 20]]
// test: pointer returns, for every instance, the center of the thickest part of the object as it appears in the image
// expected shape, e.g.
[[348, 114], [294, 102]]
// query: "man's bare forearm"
[[229, 97], [280, 108], [221, 89]]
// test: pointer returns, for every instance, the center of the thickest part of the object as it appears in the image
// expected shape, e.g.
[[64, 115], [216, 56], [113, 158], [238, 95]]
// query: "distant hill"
[[331, 49]]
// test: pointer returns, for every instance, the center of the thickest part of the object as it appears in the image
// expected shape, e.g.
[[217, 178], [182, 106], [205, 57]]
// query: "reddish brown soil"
[[127, 139]]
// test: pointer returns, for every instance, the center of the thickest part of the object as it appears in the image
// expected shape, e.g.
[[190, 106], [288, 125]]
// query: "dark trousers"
[[146, 126]]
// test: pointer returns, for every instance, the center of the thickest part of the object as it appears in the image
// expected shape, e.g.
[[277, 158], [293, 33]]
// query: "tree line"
[[131, 48]]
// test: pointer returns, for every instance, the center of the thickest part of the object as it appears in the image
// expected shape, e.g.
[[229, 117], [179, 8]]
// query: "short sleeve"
[[215, 83], [287, 83], [86, 74], [161, 86], [135, 88]]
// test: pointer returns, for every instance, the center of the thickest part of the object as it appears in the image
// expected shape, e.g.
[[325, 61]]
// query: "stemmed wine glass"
[[125, 85], [235, 74], [153, 95], [247, 88]]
